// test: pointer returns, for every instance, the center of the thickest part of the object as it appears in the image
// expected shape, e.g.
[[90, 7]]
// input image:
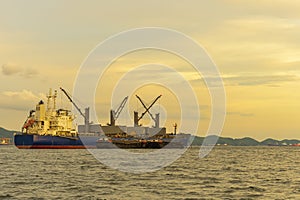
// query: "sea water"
[[226, 173]]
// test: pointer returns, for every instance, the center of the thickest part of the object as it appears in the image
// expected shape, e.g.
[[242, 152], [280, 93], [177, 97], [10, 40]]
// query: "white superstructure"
[[46, 120]]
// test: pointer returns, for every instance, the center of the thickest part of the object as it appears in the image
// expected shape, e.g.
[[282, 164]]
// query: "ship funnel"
[[87, 120], [112, 118], [136, 119], [156, 120]]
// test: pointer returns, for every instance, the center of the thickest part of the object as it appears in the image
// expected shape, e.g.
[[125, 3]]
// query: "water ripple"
[[227, 173]]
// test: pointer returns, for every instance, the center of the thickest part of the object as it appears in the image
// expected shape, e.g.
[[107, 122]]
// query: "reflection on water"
[[227, 173]]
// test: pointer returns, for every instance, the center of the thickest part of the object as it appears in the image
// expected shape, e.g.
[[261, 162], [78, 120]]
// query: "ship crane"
[[147, 110], [114, 115], [85, 116]]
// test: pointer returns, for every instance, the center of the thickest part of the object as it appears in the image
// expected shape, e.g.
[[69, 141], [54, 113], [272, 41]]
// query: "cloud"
[[10, 69], [20, 100], [253, 80], [272, 80], [24, 94], [29, 72], [253, 42], [13, 69], [241, 114]]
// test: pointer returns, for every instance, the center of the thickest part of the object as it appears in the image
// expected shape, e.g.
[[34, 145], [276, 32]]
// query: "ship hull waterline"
[[54, 142]]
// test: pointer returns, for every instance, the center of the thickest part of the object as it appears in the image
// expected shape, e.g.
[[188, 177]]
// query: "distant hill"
[[247, 141], [226, 141], [272, 142], [6, 133]]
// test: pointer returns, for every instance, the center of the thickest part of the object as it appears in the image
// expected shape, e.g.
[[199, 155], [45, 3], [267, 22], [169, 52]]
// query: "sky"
[[255, 44]]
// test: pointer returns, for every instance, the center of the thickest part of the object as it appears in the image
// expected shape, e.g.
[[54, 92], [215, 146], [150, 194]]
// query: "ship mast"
[[50, 96]]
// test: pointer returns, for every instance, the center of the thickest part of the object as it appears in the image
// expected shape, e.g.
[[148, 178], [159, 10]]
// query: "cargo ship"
[[130, 143], [138, 136], [49, 128], [149, 143]]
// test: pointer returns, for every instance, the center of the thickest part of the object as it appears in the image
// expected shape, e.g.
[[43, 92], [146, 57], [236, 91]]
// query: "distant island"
[[221, 141], [246, 141], [6, 133]]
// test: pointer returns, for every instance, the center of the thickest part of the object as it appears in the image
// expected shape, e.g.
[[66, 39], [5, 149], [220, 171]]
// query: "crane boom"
[[114, 115], [147, 108], [121, 107], [70, 99]]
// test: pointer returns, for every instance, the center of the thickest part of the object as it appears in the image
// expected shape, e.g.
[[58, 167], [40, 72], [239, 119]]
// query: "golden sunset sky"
[[255, 44]]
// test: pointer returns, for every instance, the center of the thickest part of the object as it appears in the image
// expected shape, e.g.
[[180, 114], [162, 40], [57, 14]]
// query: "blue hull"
[[54, 142]]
